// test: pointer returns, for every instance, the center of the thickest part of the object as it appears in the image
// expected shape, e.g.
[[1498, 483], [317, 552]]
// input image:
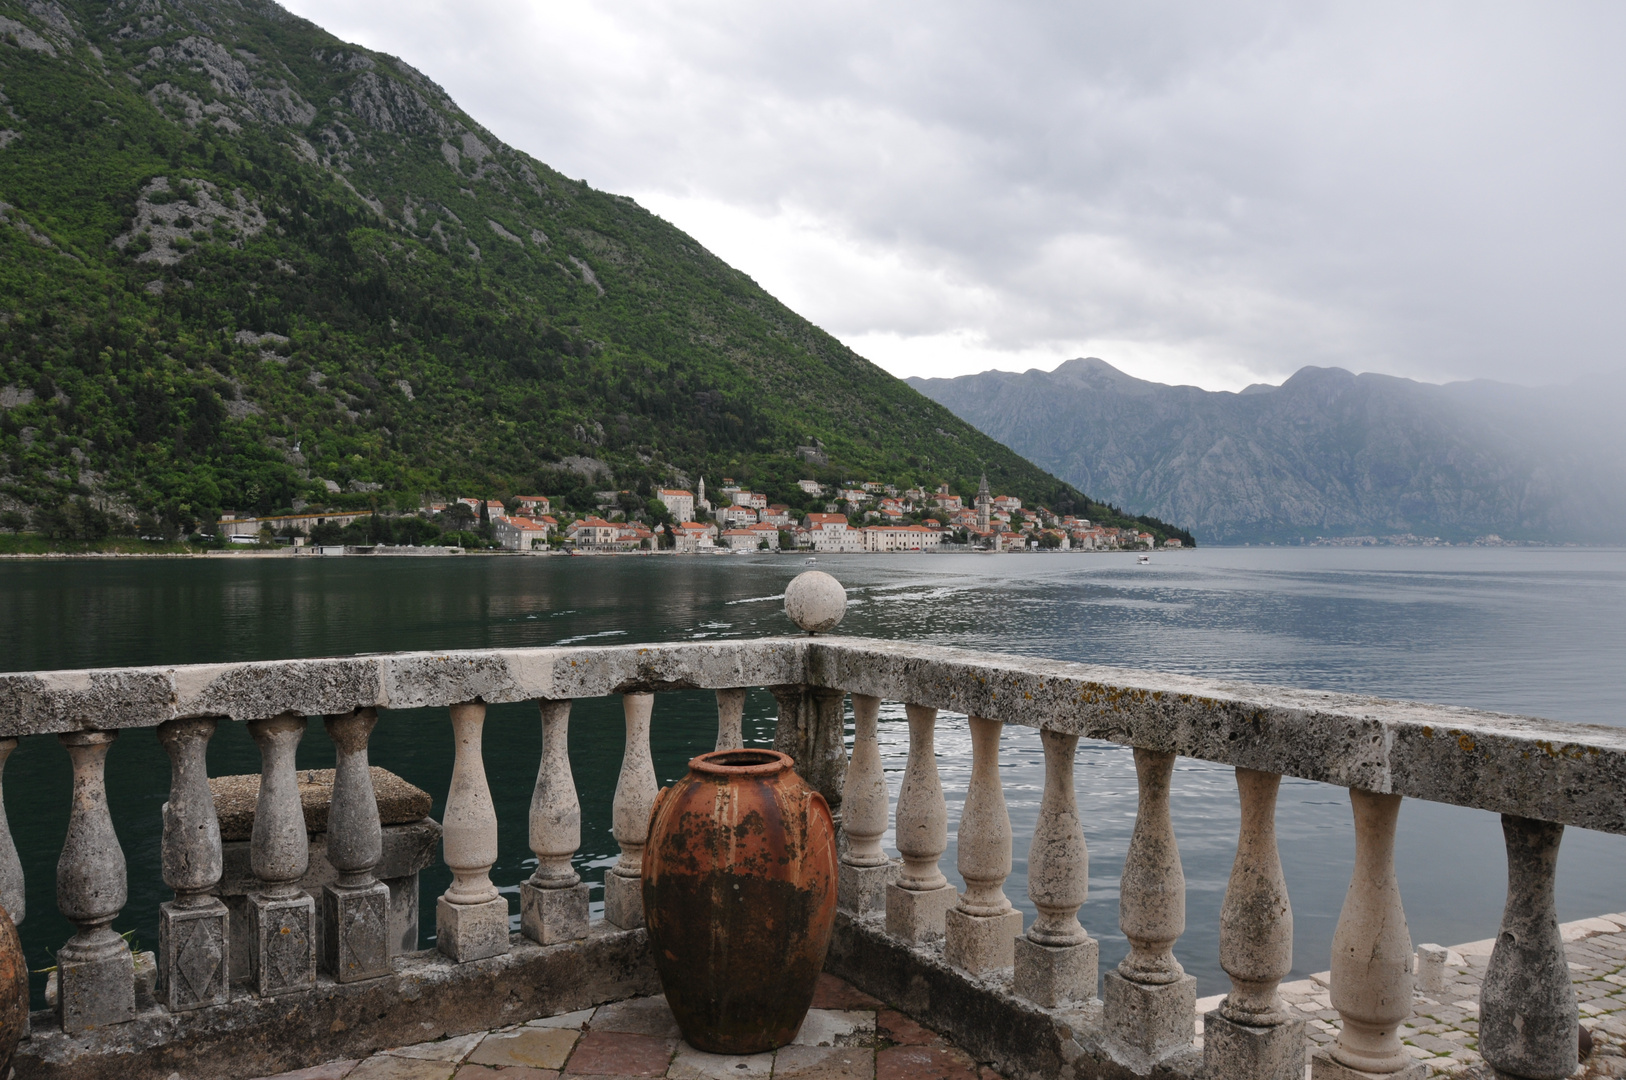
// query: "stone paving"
[[848, 1035], [1444, 1028]]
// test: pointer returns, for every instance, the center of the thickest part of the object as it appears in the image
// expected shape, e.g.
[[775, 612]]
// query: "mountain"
[[1326, 453], [247, 266]]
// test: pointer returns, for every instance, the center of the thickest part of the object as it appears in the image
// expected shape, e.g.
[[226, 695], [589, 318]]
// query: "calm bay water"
[[1541, 632]]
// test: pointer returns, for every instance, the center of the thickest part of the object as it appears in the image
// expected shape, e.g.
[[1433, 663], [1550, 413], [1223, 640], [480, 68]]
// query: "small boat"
[[1143, 559], [809, 561]]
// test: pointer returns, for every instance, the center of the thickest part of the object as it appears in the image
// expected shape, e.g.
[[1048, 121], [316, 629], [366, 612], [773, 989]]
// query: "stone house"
[[678, 503], [519, 533], [901, 538]]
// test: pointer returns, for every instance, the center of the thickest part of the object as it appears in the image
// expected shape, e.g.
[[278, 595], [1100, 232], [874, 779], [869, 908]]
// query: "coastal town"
[[854, 517]]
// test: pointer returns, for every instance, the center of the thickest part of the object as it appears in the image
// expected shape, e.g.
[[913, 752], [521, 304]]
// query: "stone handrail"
[[1538, 774]]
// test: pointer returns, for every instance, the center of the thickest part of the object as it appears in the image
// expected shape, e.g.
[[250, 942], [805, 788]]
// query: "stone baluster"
[[1056, 962], [1151, 1003], [917, 903], [553, 904], [356, 907], [1371, 956], [865, 869], [1249, 1037], [281, 915], [730, 713], [194, 938], [1528, 1018], [12, 893], [813, 731], [95, 971], [981, 929], [471, 917], [635, 791]]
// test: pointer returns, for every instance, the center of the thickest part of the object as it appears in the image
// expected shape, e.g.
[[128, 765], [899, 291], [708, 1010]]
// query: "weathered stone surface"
[[427, 997], [96, 991], [95, 970], [1569, 773], [539, 1048], [356, 942], [1431, 968], [812, 730], [1056, 975], [399, 802], [282, 943], [862, 889], [918, 915], [1233, 1051], [981, 943], [989, 1022], [549, 916], [1527, 1008], [815, 601], [194, 955], [1541, 769], [34, 703], [1147, 1023], [407, 850], [468, 932], [623, 900], [1324, 1067]]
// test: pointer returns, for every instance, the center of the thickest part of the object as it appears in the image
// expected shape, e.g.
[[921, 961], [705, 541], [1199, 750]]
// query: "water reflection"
[[1522, 631]]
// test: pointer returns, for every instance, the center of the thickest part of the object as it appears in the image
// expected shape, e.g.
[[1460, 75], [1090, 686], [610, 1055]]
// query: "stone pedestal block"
[[1054, 976], [1431, 960], [980, 944], [97, 990], [356, 932], [623, 901], [918, 916], [862, 889], [1147, 1023], [550, 916], [1323, 1067], [282, 943], [467, 932], [1233, 1051], [194, 956]]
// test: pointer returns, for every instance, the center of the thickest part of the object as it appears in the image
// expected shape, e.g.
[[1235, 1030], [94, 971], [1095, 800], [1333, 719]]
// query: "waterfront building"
[[984, 505], [901, 538], [519, 533], [678, 502], [693, 536]]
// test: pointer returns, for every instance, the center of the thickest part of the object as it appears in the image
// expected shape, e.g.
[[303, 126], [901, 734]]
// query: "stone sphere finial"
[[815, 601]]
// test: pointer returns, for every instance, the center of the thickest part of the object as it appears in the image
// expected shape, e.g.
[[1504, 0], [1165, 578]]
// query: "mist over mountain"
[[1327, 453]]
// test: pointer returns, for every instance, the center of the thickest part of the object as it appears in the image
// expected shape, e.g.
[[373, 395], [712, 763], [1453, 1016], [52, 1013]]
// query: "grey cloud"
[[1429, 190]]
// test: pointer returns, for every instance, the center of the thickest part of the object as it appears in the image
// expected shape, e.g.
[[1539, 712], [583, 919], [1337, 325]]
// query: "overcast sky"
[[1207, 193]]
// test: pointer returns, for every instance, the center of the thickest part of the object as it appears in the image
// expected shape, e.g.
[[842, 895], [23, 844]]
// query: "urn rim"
[[746, 762]]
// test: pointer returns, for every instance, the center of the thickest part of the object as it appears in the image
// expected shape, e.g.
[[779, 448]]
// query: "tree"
[[12, 521]]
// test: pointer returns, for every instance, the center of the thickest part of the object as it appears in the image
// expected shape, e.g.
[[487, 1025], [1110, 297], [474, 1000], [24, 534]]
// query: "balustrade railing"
[[1539, 775]]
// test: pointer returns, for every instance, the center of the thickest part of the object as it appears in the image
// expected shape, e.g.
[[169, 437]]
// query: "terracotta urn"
[[739, 882], [13, 991]]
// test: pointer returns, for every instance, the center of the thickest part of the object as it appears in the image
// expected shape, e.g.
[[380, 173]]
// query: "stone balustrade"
[[901, 913]]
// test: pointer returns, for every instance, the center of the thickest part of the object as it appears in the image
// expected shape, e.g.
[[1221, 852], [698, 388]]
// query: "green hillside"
[[243, 263]]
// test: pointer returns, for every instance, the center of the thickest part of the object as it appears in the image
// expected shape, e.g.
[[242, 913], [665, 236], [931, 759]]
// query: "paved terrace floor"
[[849, 1035], [1444, 1028]]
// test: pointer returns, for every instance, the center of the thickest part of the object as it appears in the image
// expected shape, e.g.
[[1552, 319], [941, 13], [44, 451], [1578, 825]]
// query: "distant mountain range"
[[1326, 453]]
